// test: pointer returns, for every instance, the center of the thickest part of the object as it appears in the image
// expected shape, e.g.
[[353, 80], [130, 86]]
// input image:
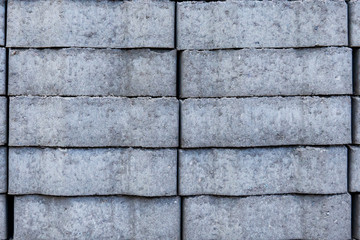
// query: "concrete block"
[[266, 72], [354, 169], [235, 172], [75, 172], [240, 24], [92, 23], [2, 24], [266, 121], [356, 119], [3, 214], [94, 121], [354, 23], [2, 71], [268, 217], [3, 120], [79, 71], [40, 217], [3, 170]]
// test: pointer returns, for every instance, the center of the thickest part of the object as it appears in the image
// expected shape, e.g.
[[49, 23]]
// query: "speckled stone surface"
[[101, 72], [239, 24], [92, 23], [266, 72], [93, 121], [268, 217], [3, 170], [142, 172], [38, 217], [3, 217], [236, 172], [266, 121]]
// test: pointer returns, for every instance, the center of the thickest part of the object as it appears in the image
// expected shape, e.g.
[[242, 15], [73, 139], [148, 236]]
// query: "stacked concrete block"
[[95, 120], [265, 110]]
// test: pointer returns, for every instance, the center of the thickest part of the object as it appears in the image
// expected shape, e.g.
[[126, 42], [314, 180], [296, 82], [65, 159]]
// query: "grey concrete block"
[[74, 71], [74, 172], [3, 120], [3, 170], [92, 23], [354, 23], [356, 119], [2, 71], [266, 121], [236, 172], [354, 169], [266, 72], [268, 217], [93, 121], [3, 214], [239, 24], [38, 217], [2, 23]]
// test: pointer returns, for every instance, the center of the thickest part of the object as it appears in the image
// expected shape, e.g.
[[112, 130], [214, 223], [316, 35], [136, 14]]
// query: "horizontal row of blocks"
[[144, 72], [166, 172], [199, 25], [204, 217]]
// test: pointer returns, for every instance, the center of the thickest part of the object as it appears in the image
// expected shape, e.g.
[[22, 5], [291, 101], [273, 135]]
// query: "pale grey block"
[[236, 172], [266, 72], [3, 214], [3, 170], [39, 217], [266, 121], [354, 22], [2, 71], [74, 172], [268, 217], [2, 24], [3, 120], [74, 71], [354, 167], [93, 121], [356, 119], [239, 24], [92, 23]]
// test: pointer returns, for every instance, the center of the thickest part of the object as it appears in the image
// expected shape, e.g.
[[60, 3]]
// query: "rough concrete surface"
[[79, 71], [2, 23], [3, 218], [2, 71], [354, 169], [67, 172], [93, 121], [354, 22], [40, 217], [239, 24], [266, 121], [92, 23], [266, 72], [259, 171], [3, 170], [268, 217], [3, 120]]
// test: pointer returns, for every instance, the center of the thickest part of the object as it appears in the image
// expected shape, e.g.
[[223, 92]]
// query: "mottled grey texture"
[[67, 172], [266, 121], [2, 71], [238, 24], [356, 120], [93, 121], [3, 120], [74, 71], [91, 23], [39, 217], [268, 217], [3, 222], [259, 171], [356, 216], [354, 22], [3, 170], [354, 167], [2, 23], [266, 72]]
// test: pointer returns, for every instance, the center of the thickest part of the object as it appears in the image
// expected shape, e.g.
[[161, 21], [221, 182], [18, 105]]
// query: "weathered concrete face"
[[239, 24], [3, 218], [354, 22], [38, 217], [2, 23], [268, 217], [266, 72], [236, 172], [76, 172], [3, 120], [240, 122], [3, 170], [94, 122], [72, 23], [100, 72], [354, 167]]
